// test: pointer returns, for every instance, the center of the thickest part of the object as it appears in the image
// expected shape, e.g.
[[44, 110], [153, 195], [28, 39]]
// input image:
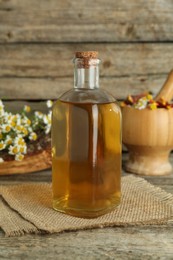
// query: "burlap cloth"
[[26, 208]]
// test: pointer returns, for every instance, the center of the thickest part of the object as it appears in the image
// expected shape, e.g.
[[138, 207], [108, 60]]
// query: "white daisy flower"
[[8, 140], [25, 131], [9, 119], [18, 119], [7, 115], [50, 113], [39, 114], [19, 140], [1, 108], [27, 109], [19, 157], [18, 129], [1, 113], [30, 130], [12, 123], [21, 130], [23, 149], [33, 136], [47, 129], [49, 103], [26, 121], [1, 104], [5, 128], [2, 145], [45, 119], [13, 149]]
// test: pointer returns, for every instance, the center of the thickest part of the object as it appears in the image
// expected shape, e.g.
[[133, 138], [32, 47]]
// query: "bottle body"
[[86, 144], [86, 153]]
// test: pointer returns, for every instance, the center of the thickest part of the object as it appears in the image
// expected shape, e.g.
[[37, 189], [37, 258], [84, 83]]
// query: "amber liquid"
[[86, 150]]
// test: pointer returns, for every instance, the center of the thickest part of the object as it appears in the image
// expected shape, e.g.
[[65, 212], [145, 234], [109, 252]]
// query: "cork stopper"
[[85, 57], [86, 54]]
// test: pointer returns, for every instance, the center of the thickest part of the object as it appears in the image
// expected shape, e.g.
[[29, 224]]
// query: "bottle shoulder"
[[87, 96]]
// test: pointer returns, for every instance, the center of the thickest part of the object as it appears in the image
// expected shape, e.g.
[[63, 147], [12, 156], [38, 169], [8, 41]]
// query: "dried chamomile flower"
[[19, 157], [146, 100], [18, 130], [33, 136], [1, 108], [49, 103], [2, 145], [27, 109]]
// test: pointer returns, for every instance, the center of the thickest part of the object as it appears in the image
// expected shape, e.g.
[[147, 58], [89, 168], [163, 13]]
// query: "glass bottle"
[[86, 144]]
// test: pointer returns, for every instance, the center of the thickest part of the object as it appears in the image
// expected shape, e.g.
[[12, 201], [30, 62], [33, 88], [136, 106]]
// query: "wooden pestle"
[[166, 91]]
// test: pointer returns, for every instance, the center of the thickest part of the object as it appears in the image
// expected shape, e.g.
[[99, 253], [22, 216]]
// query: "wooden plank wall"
[[39, 37]]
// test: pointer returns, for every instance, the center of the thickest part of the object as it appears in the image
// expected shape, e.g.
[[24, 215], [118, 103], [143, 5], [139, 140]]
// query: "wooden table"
[[149, 242]]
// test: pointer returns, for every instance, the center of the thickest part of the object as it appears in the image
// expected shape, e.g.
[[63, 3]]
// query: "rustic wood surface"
[[38, 40], [34, 71], [55, 60], [51, 88], [85, 21], [149, 242]]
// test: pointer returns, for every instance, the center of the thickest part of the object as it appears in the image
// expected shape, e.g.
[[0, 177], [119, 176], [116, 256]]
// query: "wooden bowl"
[[32, 163], [148, 135]]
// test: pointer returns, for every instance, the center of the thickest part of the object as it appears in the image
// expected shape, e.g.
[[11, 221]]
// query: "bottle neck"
[[86, 73]]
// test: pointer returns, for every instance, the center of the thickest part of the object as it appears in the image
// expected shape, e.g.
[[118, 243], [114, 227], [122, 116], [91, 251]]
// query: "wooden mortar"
[[148, 135]]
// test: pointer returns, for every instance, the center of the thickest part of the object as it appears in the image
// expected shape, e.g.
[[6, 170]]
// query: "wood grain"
[[39, 71], [55, 60], [17, 106], [37, 162], [148, 137], [130, 243], [71, 21], [150, 242], [166, 91], [51, 88]]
